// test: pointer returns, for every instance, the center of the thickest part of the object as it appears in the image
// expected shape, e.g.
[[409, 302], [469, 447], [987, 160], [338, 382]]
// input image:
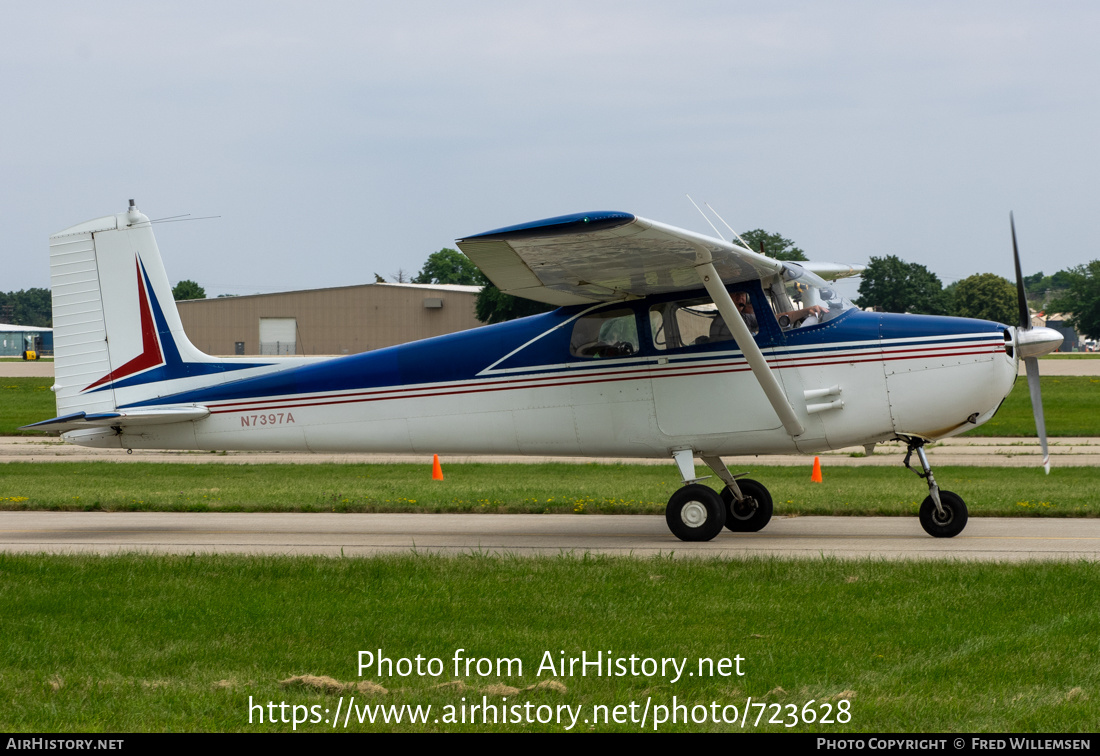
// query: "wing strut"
[[753, 355]]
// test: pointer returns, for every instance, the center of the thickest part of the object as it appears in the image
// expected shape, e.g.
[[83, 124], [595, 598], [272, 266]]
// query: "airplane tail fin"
[[116, 327]]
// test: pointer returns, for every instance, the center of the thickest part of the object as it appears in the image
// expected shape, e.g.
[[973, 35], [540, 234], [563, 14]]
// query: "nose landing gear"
[[943, 513]]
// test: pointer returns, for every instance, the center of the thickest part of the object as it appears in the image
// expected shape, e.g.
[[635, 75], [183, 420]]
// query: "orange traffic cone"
[[815, 476], [437, 471]]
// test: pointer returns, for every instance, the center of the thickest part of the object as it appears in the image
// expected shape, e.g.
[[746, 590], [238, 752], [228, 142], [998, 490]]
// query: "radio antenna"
[[716, 231], [185, 217], [736, 235]]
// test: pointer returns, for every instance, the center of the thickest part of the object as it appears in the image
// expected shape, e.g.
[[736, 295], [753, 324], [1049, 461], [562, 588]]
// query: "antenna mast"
[[716, 231], [737, 235]]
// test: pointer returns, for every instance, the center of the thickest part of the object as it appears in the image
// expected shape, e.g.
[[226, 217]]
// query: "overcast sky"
[[340, 139]]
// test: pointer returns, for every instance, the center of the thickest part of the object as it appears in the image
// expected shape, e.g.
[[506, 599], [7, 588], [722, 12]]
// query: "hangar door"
[[278, 335]]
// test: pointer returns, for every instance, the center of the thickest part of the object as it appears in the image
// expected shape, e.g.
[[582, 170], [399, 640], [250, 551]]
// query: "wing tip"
[[561, 225]]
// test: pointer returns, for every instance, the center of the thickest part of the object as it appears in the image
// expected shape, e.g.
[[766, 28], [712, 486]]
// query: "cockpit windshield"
[[804, 299]]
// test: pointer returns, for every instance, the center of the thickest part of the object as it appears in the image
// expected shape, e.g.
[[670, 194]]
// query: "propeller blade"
[[1036, 340], [1021, 296], [1032, 364]]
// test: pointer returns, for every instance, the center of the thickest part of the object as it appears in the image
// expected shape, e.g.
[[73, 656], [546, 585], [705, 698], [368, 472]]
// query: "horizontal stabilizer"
[[155, 416]]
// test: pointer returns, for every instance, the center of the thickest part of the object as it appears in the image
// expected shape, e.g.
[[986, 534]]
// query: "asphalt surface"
[[335, 535], [982, 452], [26, 369]]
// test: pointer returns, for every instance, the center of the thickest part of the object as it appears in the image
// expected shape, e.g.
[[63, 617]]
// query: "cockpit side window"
[[611, 333], [800, 299]]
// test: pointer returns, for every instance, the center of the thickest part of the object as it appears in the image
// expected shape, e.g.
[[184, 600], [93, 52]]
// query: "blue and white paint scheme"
[[666, 343]]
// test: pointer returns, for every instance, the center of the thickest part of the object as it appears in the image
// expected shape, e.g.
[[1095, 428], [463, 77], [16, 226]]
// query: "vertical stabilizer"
[[115, 320]]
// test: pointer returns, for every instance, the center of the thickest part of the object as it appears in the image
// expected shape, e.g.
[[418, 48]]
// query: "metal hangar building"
[[332, 321]]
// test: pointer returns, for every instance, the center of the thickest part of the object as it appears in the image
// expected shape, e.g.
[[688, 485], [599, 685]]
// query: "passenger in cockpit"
[[744, 306]]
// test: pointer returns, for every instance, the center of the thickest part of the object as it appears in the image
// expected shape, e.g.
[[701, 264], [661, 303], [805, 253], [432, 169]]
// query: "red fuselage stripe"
[[651, 372], [646, 370]]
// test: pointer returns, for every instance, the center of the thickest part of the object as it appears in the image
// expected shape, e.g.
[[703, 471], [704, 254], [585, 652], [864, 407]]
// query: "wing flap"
[[509, 270]]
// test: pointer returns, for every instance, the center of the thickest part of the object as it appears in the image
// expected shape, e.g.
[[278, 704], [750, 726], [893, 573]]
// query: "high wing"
[[609, 256]]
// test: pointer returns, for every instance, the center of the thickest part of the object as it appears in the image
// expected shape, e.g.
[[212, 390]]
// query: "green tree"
[[774, 245], [1082, 298], [1034, 281], [949, 298], [986, 296], [494, 306], [188, 290], [1042, 289], [894, 285], [29, 307], [449, 266]]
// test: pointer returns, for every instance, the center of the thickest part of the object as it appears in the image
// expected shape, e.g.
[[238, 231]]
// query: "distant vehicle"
[[667, 343]]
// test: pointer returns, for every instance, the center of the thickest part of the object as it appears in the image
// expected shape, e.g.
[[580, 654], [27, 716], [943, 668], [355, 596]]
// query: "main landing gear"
[[942, 513], [698, 513]]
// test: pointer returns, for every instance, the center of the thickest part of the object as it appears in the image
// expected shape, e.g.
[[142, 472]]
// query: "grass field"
[[24, 401], [1071, 405], [144, 643], [555, 488], [180, 644]]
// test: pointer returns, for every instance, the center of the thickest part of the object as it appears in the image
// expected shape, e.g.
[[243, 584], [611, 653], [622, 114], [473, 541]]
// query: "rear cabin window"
[[691, 322], [613, 333]]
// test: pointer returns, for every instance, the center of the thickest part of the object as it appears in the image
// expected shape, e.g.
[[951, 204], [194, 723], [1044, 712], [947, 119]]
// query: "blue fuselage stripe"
[[457, 363]]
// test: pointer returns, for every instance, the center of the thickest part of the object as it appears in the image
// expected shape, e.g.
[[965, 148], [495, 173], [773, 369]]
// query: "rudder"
[[113, 312]]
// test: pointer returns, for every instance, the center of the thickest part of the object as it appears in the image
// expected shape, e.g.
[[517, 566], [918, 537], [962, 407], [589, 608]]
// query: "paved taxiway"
[[978, 451], [1011, 539]]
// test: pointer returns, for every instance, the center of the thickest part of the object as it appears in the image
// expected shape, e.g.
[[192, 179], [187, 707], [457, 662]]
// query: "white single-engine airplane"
[[667, 343]]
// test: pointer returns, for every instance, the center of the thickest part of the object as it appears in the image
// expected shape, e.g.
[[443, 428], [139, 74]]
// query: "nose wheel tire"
[[751, 513], [948, 524], [695, 513]]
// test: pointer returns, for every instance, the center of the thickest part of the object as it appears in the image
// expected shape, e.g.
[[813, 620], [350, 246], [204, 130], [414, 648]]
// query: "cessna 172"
[[667, 343]]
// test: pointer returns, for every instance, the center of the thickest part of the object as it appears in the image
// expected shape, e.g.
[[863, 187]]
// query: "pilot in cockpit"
[[806, 316]]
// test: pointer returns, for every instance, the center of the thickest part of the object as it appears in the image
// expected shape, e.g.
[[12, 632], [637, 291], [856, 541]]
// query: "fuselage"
[[525, 387]]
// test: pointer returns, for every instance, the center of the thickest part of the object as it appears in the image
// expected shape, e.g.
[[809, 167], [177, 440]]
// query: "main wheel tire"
[[695, 513], [950, 523], [753, 512]]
